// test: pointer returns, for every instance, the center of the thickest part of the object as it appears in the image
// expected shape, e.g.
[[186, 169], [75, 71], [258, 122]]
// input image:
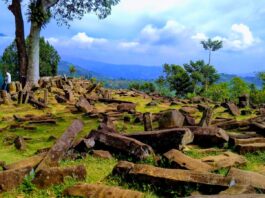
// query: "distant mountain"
[[114, 71], [251, 79], [63, 68], [2, 35], [132, 72]]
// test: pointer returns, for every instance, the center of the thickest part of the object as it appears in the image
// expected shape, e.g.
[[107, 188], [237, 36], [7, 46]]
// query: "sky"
[[154, 32]]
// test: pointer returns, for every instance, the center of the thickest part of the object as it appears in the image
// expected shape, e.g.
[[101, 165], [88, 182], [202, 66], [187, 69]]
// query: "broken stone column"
[[148, 123], [61, 146], [243, 101], [46, 94], [206, 117], [99, 190]]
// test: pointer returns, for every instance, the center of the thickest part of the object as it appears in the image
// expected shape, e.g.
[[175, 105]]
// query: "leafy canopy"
[[212, 45], [49, 59]]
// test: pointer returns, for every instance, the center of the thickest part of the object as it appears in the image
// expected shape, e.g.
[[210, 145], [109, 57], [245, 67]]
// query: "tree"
[[72, 69], [238, 87], [201, 74], [261, 76], [211, 46], [178, 79], [218, 92], [41, 11], [15, 8], [49, 60]]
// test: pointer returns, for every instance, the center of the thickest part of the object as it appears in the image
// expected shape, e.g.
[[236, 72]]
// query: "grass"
[[98, 170]]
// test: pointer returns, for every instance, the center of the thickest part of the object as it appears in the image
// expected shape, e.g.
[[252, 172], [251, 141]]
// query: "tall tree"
[[15, 8], [178, 79], [211, 46], [40, 11], [201, 74], [49, 59]]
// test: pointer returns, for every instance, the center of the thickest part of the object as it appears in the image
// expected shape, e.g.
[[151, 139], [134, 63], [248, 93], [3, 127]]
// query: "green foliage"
[[211, 46], [201, 75], [218, 92], [37, 14], [49, 59], [238, 87], [147, 87], [9, 61], [177, 79], [261, 76], [27, 186], [72, 69], [257, 96]]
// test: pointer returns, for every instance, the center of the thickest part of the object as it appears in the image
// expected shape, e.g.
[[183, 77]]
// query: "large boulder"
[[232, 108], [83, 105], [126, 107], [171, 119], [209, 136]]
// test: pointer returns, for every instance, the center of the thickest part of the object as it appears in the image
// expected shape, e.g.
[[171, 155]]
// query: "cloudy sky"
[[154, 32]]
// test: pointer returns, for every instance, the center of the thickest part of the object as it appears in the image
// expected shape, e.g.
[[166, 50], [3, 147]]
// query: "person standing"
[[7, 81]]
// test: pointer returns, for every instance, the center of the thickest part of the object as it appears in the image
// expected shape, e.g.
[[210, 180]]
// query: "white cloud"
[[52, 40], [199, 37], [128, 44], [83, 38], [239, 38], [172, 29]]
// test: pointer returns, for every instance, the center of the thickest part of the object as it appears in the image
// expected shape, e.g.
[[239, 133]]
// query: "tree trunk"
[[15, 8], [209, 57], [34, 53]]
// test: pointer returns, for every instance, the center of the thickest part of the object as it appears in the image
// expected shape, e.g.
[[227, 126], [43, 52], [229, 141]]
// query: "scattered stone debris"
[[225, 160], [20, 143]]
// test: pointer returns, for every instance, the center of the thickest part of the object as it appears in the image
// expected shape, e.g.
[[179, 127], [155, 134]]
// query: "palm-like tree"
[[211, 46]]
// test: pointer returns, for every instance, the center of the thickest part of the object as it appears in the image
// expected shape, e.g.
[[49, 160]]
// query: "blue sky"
[[154, 32]]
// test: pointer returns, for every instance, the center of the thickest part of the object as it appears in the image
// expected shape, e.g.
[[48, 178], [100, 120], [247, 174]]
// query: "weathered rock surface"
[[20, 143], [11, 179], [56, 175], [100, 191], [225, 160], [206, 117], [31, 162], [171, 177], [180, 160], [101, 154], [148, 122], [232, 108], [171, 119], [209, 136], [121, 143], [126, 107], [83, 105], [61, 146], [164, 140], [248, 178]]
